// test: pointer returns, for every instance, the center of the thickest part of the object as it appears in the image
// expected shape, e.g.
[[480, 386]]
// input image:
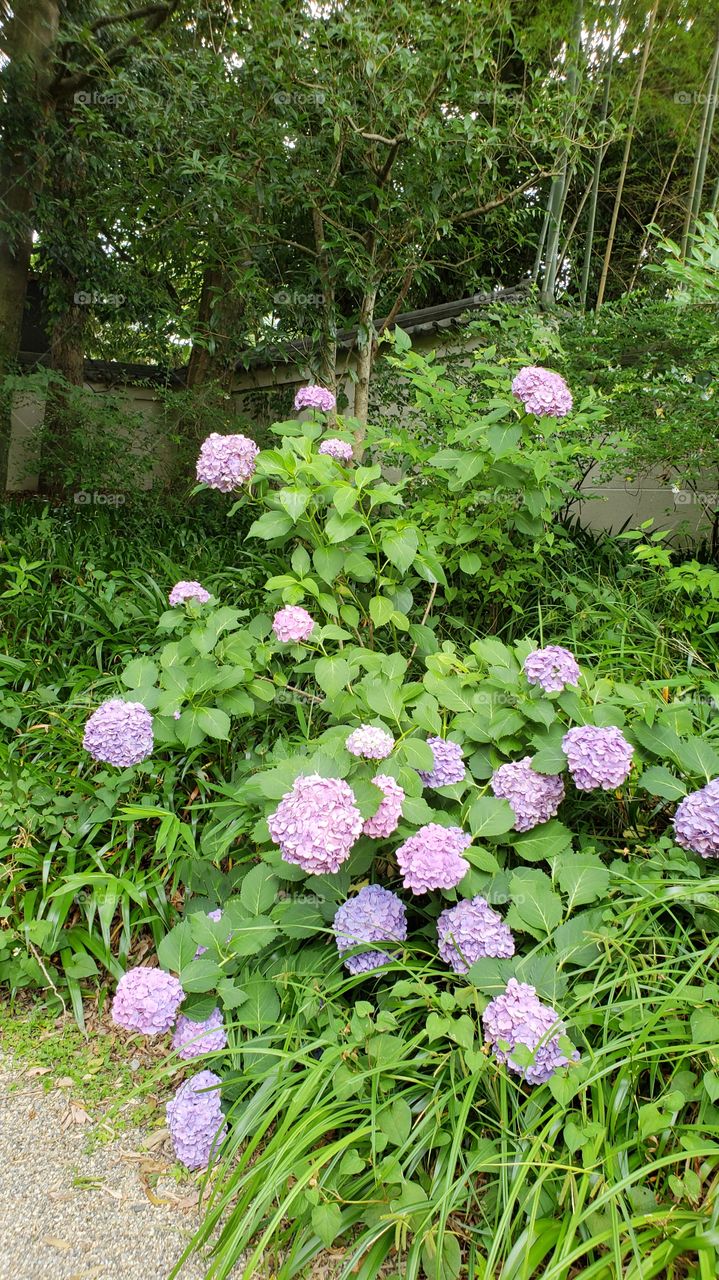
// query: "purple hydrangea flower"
[[597, 757], [192, 1039], [340, 450], [385, 821], [448, 764], [215, 915], [517, 1016], [316, 824], [147, 1000], [292, 624], [534, 797], [315, 398], [119, 733], [373, 915], [696, 821], [195, 1120], [470, 931], [553, 668], [370, 742], [542, 393], [183, 591], [226, 462], [430, 859]]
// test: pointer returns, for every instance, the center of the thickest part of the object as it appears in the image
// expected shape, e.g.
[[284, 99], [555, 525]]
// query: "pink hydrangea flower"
[[552, 667], [340, 450], [195, 1120], [315, 398], [448, 764], [226, 462], [542, 392], [119, 733], [292, 624], [193, 1039], [372, 915], [471, 931], [316, 824], [430, 859], [183, 591], [597, 757], [696, 821], [385, 821], [518, 1017], [370, 742], [147, 1000], [534, 797]]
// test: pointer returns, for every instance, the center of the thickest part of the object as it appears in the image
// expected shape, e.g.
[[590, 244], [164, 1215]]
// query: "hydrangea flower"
[[597, 757], [696, 821], [340, 450], [517, 1016], [533, 797], [370, 742], [119, 733], [183, 591], [192, 1039], [448, 764], [316, 824], [147, 1000], [471, 931], [292, 624], [195, 1120], [542, 392], [215, 915], [385, 821], [226, 462], [373, 915], [315, 398], [553, 668], [430, 859]]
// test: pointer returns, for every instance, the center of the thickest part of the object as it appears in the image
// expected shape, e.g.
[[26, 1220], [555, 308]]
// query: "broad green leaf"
[[294, 502], [489, 816], [327, 1222], [258, 890], [535, 905], [213, 722], [400, 547], [140, 673], [272, 524], [381, 610], [332, 675], [545, 841], [659, 781]]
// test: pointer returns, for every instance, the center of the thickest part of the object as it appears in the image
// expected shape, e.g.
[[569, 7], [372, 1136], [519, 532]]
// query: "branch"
[[404, 289], [148, 11], [62, 86], [378, 137], [500, 200]]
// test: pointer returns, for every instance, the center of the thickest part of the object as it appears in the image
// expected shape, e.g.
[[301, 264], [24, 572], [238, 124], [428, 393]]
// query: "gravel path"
[[69, 1215]]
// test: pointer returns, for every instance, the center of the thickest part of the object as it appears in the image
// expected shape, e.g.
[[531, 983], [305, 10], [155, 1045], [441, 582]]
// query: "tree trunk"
[[560, 184], [365, 359], [702, 153], [213, 358], [328, 322], [598, 161]]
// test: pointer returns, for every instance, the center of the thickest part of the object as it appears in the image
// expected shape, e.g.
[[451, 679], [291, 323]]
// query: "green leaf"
[[258, 890], [339, 529], [418, 754], [396, 1121], [381, 610], [535, 905], [658, 781], [400, 547], [697, 757], [177, 948], [294, 502], [583, 878], [705, 1027], [490, 816], [262, 1006], [328, 562], [383, 698], [139, 674], [273, 524], [332, 675], [213, 722], [327, 1222], [545, 841]]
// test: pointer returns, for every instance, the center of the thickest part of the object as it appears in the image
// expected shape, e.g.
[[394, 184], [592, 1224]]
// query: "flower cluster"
[[316, 824], [553, 668], [183, 591], [315, 398], [370, 742], [430, 859], [470, 931], [385, 821], [226, 462], [193, 1039], [195, 1119], [373, 915], [533, 797], [119, 733], [518, 1017], [696, 821], [292, 624], [597, 757], [543, 393], [147, 1000], [340, 450], [448, 764]]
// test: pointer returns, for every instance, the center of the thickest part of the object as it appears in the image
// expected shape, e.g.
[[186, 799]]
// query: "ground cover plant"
[[441, 990]]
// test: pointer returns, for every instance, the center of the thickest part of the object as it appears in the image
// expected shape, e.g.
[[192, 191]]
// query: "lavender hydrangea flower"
[[553, 668], [316, 824], [315, 398], [471, 931], [147, 1000], [183, 591], [195, 1120], [119, 733], [226, 462], [597, 757], [430, 859], [533, 797], [192, 1039], [542, 392], [370, 742], [448, 764], [340, 450], [385, 821], [696, 821], [215, 915], [373, 915], [292, 624], [517, 1016]]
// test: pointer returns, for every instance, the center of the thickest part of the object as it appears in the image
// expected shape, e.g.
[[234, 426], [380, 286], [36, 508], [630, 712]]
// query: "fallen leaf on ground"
[[56, 1243]]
